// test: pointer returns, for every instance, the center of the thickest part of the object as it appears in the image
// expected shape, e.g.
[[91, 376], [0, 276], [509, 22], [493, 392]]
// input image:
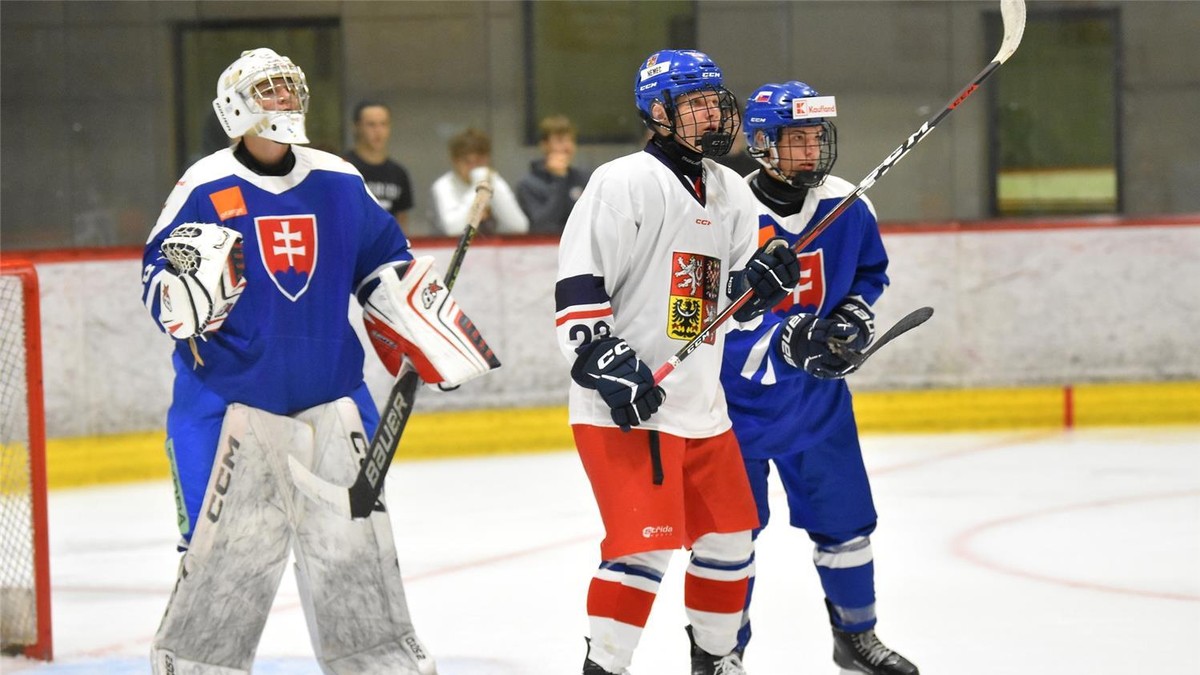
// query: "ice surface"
[[1031, 552]]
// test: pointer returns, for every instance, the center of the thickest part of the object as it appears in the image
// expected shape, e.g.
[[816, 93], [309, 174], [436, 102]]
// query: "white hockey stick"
[[1013, 14], [358, 500]]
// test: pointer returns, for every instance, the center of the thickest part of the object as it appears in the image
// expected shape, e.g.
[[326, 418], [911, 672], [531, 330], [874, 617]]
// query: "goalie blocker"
[[409, 312]]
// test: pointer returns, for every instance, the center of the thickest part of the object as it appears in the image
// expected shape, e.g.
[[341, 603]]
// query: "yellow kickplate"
[[133, 457]]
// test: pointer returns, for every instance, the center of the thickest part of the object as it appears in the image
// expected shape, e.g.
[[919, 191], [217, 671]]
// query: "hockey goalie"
[[249, 268]]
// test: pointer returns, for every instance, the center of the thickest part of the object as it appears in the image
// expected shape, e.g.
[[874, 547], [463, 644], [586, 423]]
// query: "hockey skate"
[[590, 667], [863, 654], [704, 663]]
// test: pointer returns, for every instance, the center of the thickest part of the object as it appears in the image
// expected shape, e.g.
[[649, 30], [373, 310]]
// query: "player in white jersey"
[[250, 268], [790, 407], [652, 245]]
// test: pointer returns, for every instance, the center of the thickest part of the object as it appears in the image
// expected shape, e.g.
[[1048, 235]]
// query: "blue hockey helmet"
[[670, 73], [774, 107]]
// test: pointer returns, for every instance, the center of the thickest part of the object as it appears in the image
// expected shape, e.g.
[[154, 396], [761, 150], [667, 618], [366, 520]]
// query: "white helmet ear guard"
[[258, 76]]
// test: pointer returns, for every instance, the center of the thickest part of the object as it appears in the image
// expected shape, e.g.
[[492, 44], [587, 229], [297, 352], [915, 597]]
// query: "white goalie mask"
[[263, 94]]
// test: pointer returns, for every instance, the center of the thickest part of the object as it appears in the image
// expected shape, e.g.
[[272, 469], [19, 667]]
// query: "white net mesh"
[[183, 256], [18, 608]]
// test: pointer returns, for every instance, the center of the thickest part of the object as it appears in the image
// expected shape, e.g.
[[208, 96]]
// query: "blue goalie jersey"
[[777, 409], [311, 238]]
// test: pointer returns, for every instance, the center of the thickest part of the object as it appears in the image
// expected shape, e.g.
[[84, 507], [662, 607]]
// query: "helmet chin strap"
[[770, 164]]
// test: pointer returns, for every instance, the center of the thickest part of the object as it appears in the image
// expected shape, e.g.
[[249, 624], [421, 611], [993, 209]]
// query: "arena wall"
[[1033, 320]]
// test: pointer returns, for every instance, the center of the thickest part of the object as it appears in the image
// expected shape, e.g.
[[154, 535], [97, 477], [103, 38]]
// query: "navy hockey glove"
[[772, 273], [625, 383], [856, 313], [804, 342]]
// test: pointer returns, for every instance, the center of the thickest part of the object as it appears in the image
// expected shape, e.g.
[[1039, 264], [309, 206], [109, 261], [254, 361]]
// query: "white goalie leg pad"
[[203, 281], [238, 552], [347, 570], [411, 313], [167, 663]]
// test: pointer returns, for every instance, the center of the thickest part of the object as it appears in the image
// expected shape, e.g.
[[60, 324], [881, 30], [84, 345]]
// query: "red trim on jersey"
[[589, 314]]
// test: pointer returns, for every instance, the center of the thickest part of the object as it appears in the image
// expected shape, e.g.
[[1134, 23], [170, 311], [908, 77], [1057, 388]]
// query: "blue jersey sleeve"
[[382, 243], [870, 272]]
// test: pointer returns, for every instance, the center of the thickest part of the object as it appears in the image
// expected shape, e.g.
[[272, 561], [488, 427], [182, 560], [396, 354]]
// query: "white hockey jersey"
[[643, 258]]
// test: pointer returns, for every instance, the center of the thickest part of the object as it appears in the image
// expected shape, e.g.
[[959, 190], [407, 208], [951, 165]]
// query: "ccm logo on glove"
[[626, 384]]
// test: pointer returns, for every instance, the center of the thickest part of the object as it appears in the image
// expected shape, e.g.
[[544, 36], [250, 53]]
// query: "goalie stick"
[[358, 500], [910, 321], [1012, 12]]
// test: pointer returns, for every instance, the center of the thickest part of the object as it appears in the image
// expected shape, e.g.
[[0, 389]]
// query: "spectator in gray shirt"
[[549, 191]]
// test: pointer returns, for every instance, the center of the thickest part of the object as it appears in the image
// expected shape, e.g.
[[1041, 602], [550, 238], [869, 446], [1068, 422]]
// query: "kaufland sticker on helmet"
[[655, 69], [817, 106]]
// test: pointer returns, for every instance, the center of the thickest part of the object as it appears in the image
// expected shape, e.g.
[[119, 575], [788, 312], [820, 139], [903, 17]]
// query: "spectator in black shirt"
[[386, 179], [550, 190]]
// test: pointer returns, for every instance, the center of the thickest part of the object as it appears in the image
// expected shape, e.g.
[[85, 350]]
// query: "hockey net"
[[24, 549]]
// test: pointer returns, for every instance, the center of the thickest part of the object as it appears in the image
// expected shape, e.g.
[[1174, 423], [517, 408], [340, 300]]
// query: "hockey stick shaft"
[[358, 500], [1013, 14]]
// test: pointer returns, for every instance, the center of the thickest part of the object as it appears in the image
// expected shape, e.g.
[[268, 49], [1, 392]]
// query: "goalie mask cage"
[[24, 549]]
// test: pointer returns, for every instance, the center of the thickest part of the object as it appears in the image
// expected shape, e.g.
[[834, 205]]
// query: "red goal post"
[[24, 544]]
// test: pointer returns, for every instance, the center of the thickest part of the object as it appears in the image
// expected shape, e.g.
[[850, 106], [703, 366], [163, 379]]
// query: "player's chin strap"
[[769, 160]]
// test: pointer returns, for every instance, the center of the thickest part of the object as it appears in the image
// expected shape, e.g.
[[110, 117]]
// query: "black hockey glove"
[[772, 273], [856, 313], [625, 383], [804, 342]]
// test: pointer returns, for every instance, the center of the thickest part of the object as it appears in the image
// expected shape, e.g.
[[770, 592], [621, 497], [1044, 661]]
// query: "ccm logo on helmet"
[[702, 221]]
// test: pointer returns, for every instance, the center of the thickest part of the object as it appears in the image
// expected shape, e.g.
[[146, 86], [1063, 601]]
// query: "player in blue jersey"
[[250, 268], [782, 372]]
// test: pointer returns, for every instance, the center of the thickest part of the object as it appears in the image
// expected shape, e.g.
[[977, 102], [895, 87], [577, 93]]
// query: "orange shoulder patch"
[[229, 203]]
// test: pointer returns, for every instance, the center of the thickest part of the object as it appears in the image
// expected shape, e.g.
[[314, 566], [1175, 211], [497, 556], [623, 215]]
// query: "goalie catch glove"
[[624, 382], [409, 312], [203, 279], [772, 272]]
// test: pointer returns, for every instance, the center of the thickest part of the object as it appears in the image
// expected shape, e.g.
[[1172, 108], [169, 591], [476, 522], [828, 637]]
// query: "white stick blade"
[[1013, 14], [319, 490]]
